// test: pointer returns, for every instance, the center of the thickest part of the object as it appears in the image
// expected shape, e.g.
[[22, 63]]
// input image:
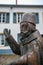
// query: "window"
[[37, 18], [14, 17], [7, 17], [4, 17], [4, 43], [2, 40], [0, 17], [20, 17], [17, 17]]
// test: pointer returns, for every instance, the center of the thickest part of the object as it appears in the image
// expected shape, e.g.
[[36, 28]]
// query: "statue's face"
[[24, 27]]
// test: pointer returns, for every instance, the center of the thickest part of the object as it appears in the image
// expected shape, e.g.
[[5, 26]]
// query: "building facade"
[[10, 18]]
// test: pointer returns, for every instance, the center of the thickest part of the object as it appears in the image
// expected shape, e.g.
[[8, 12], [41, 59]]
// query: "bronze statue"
[[30, 47]]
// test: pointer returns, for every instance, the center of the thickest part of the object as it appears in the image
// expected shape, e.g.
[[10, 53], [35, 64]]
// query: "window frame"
[[4, 40], [37, 20], [3, 17], [20, 16], [1, 39]]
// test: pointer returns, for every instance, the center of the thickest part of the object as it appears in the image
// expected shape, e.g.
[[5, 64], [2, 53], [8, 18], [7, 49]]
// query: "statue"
[[30, 47]]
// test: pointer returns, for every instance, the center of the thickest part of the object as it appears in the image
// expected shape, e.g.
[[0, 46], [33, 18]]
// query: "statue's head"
[[28, 22]]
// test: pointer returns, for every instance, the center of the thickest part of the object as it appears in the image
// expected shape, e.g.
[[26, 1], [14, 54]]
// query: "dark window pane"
[[6, 44], [14, 17], [2, 43], [0, 20], [0, 17], [21, 16], [7, 17], [18, 17], [3, 20], [3, 14], [37, 18], [0, 14], [1, 39]]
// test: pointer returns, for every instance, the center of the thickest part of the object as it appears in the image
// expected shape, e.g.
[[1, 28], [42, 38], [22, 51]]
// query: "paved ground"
[[5, 59]]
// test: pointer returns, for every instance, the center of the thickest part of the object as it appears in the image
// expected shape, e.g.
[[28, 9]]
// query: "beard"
[[27, 30]]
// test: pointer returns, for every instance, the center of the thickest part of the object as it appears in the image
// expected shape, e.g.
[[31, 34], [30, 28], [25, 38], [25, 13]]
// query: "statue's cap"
[[30, 18]]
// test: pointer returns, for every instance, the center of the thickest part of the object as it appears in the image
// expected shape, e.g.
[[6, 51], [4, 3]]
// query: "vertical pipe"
[[16, 2]]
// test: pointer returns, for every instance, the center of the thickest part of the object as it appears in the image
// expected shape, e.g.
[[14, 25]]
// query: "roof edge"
[[12, 5]]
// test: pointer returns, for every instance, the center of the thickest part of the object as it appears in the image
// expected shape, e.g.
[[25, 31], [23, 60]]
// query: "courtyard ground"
[[6, 59]]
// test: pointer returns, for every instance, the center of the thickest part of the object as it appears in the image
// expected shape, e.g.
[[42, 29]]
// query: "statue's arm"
[[30, 59], [12, 43]]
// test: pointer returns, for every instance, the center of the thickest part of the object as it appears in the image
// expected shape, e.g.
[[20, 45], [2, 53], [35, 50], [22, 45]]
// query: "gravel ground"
[[6, 59]]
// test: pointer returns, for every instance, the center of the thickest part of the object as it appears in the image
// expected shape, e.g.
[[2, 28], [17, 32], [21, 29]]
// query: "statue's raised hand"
[[6, 32]]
